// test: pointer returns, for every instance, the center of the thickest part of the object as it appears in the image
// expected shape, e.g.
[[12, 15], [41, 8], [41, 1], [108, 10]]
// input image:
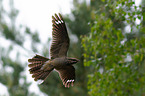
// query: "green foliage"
[[115, 56]]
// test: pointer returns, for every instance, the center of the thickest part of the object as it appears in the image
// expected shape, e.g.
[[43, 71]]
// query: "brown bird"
[[41, 66]]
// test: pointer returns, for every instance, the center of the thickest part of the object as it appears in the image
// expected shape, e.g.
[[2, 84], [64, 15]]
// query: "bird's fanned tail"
[[35, 67]]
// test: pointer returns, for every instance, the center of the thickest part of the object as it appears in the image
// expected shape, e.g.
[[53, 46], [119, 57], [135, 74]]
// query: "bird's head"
[[72, 60]]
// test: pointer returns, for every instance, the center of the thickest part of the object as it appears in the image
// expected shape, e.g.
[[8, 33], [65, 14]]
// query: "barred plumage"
[[41, 66], [35, 64], [60, 42]]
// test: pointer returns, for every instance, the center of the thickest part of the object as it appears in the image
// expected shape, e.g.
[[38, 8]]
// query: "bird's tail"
[[36, 64]]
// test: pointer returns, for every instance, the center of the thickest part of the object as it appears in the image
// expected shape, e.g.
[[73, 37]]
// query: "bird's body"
[[41, 66], [59, 62], [55, 63]]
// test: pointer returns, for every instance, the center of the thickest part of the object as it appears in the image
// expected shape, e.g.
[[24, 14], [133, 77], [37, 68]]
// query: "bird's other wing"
[[67, 75], [60, 42]]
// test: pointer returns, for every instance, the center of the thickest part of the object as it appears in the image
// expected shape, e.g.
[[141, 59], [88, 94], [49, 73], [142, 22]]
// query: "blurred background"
[[108, 36]]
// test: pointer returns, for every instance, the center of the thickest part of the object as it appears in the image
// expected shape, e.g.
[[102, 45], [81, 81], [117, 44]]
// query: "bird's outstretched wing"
[[67, 75], [60, 42]]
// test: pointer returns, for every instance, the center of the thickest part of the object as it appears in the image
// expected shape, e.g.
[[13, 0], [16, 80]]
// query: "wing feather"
[[67, 75], [60, 42]]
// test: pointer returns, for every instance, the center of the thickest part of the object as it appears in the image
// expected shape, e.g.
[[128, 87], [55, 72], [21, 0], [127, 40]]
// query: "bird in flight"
[[40, 67]]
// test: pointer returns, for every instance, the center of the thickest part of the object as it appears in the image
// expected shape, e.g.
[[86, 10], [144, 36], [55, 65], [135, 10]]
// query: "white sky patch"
[[137, 2], [101, 70], [37, 14], [128, 58], [21, 80], [34, 88], [128, 29], [123, 41], [9, 69], [3, 90], [73, 38], [6, 5], [137, 21], [27, 44], [5, 43]]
